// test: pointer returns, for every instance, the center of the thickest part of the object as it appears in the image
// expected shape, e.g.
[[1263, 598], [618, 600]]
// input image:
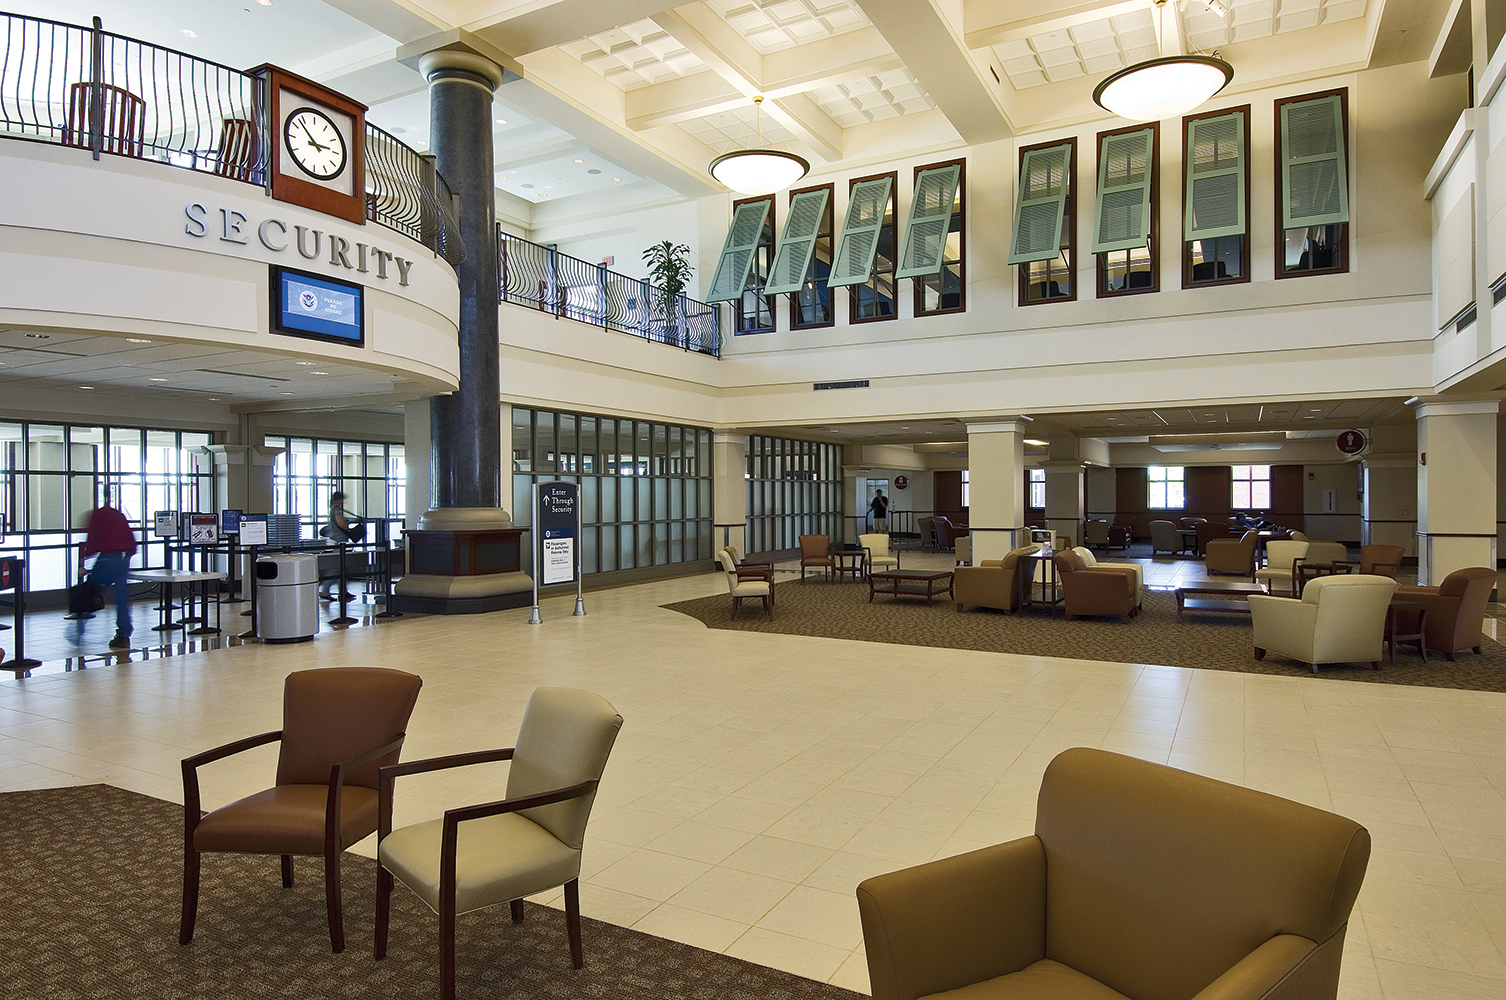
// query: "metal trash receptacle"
[[287, 597]]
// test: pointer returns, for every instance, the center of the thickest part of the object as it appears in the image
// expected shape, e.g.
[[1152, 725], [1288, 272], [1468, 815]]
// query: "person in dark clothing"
[[878, 511], [112, 543]]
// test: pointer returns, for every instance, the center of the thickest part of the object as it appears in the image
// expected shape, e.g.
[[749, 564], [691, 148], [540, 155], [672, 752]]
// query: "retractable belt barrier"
[[13, 578]]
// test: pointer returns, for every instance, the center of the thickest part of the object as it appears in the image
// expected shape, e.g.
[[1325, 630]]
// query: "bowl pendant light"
[[758, 171], [1165, 87]]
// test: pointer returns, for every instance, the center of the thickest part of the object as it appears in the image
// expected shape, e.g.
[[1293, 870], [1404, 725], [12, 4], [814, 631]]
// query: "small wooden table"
[[1420, 636], [851, 561], [1051, 589], [1307, 572], [894, 582], [1220, 588]]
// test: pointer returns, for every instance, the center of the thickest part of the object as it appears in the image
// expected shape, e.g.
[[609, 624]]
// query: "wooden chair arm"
[[387, 775]]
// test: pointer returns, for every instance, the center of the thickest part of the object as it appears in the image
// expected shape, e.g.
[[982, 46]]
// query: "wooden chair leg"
[[572, 920], [1259, 653], [287, 871], [190, 896], [447, 953], [332, 901], [383, 912], [517, 911]]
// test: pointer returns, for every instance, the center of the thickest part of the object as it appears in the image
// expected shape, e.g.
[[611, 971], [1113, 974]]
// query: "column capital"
[[728, 437], [856, 470], [1389, 460], [460, 52], [1440, 406], [999, 427]]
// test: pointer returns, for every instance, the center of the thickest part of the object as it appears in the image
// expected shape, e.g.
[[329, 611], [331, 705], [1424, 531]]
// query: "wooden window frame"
[[1022, 281], [1243, 278], [772, 223], [1343, 245], [831, 239], [1100, 267], [960, 200], [893, 212]]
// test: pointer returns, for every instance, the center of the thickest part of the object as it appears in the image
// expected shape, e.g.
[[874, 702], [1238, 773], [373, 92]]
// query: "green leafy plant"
[[670, 270]]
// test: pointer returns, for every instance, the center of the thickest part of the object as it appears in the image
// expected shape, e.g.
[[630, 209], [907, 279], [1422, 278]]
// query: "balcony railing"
[[92, 89], [553, 282]]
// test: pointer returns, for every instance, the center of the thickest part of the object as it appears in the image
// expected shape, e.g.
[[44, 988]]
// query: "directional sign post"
[[556, 547]]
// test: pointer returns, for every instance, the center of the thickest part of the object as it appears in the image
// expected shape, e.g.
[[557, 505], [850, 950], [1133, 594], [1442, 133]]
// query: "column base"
[[463, 561]]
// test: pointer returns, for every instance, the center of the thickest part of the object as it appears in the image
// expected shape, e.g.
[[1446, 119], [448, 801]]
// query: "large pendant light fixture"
[[758, 171], [1166, 87]]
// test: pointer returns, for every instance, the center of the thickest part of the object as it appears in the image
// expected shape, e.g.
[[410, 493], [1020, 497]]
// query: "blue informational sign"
[[309, 305], [554, 527], [230, 522]]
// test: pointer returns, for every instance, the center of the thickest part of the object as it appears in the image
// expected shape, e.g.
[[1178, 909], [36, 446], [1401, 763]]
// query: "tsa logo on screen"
[[308, 300]]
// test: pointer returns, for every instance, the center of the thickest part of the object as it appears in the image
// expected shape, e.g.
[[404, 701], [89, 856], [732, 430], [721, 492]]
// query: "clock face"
[[315, 143]]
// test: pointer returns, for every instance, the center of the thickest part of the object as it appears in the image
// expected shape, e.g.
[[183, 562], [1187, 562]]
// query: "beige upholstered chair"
[[995, 583], [963, 550], [877, 549], [1326, 552], [339, 724], [1164, 537], [1277, 573], [1233, 555], [749, 584], [1340, 619], [1096, 533], [1140, 881], [499, 852], [1092, 562], [1298, 536]]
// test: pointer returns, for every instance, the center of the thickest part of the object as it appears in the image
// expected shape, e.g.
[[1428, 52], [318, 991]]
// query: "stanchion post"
[[580, 562], [387, 612], [251, 582], [533, 542], [344, 618], [21, 664]]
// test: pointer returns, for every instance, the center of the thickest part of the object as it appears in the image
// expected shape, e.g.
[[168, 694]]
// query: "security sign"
[[555, 524], [1352, 442]]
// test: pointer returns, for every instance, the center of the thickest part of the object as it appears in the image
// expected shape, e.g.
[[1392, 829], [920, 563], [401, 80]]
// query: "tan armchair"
[[815, 550], [1381, 560], [1164, 537], [1279, 571], [1233, 555], [1093, 562], [747, 584], [1207, 531], [339, 724], [995, 583], [1100, 591], [1339, 619], [528, 842], [876, 549], [1139, 881], [1456, 609], [1096, 534]]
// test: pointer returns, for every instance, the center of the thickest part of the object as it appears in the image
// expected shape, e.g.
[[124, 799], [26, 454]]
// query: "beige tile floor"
[[759, 778]]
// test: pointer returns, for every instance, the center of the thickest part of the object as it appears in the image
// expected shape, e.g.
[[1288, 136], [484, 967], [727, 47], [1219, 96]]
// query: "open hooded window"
[[866, 249], [1312, 181], [1216, 198], [1124, 214], [932, 252], [743, 268], [802, 266], [1045, 218]]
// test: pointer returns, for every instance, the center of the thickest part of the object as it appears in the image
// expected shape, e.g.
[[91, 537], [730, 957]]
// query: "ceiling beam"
[[931, 45], [993, 22], [720, 46], [562, 21], [680, 100]]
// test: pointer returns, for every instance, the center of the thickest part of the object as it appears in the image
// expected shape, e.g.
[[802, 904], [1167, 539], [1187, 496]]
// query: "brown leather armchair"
[[1381, 560], [1207, 531], [995, 583], [339, 725], [1102, 590], [1139, 881], [1233, 555], [1456, 610], [815, 550]]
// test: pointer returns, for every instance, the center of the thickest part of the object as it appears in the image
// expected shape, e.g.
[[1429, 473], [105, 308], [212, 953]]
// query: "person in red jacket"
[[112, 542]]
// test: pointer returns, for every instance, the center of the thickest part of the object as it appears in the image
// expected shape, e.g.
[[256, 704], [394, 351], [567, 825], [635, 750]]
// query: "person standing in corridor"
[[112, 542]]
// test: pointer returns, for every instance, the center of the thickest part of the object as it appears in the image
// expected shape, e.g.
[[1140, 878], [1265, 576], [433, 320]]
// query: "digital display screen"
[[308, 305]]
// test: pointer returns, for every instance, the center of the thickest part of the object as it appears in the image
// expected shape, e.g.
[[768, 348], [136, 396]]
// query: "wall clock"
[[315, 144], [317, 140]]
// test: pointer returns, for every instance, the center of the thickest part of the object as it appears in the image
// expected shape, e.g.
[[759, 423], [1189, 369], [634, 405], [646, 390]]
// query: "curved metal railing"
[[92, 89], [553, 282]]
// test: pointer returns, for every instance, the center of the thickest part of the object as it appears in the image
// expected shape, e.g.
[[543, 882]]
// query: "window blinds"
[[739, 250], [930, 219], [1314, 173], [1215, 195], [793, 260], [1122, 215], [1041, 205], [852, 264]]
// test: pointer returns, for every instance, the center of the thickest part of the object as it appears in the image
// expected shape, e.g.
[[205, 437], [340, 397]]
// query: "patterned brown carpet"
[[92, 884], [1210, 641]]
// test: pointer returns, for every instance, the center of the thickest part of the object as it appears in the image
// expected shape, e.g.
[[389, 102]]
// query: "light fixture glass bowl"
[[1167, 87], [759, 171]]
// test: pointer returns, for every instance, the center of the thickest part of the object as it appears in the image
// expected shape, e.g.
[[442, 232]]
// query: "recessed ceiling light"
[[580, 161], [214, 399], [543, 194], [265, 3], [593, 170], [616, 178], [189, 33], [156, 380], [528, 185], [318, 373], [86, 387], [501, 121], [40, 336], [287, 394], [137, 340], [1035, 442], [308, 363]]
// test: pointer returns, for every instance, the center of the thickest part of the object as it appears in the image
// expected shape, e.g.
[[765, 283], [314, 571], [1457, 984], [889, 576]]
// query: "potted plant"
[[669, 270]]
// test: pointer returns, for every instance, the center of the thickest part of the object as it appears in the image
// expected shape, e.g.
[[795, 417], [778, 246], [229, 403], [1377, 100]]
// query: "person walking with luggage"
[[111, 541], [878, 510]]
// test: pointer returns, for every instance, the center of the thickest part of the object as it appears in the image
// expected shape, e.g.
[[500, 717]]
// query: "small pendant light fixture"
[[1165, 87], [758, 171]]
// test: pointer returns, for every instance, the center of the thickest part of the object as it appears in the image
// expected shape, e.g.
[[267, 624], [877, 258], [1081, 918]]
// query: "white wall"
[[625, 237]]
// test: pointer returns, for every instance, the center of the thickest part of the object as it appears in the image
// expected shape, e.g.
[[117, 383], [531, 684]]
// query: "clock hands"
[[304, 125]]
